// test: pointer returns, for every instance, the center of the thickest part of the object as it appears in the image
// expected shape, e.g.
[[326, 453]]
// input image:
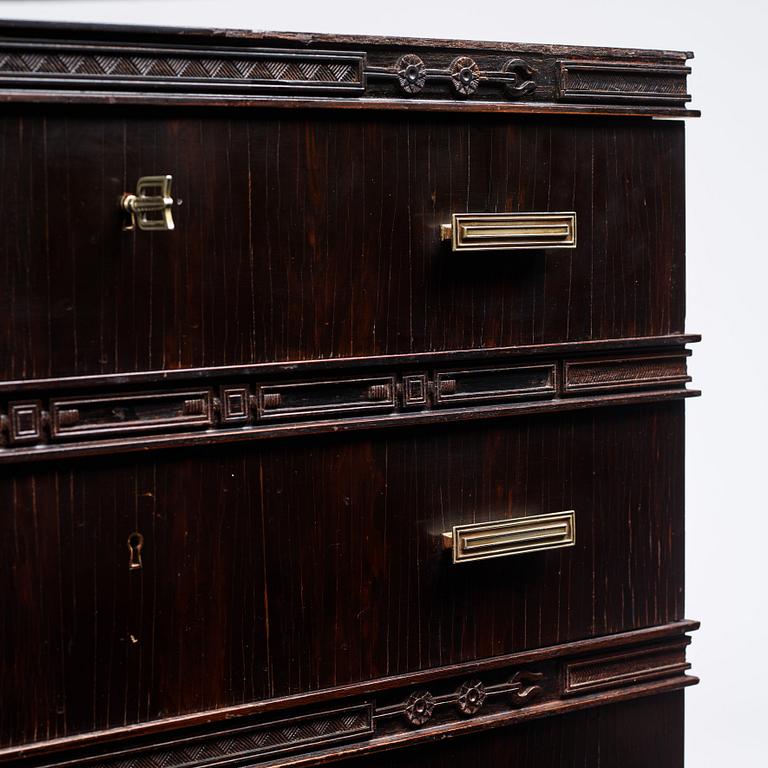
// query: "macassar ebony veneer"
[[342, 392]]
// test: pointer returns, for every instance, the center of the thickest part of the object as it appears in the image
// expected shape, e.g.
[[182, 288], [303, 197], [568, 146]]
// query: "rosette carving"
[[465, 75], [419, 707], [471, 696], [411, 73]]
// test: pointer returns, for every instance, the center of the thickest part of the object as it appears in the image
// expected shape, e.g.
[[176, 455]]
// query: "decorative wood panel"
[[622, 81], [217, 69], [122, 421], [657, 370], [459, 699], [82, 63], [626, 668]]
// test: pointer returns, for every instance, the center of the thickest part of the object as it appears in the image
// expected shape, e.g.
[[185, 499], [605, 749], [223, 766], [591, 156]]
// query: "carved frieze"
[[170, 68], [125, 417], [109, 66], [445, 701], [463, 77]]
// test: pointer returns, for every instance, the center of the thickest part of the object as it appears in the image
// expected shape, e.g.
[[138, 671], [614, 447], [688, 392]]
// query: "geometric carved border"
[[157, 68], [626, 372], [124, 419], [617, 81], [255, 742], [442, 702], [44, 63], [629, 668]]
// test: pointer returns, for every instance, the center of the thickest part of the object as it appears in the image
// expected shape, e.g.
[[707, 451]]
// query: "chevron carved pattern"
[[302, 69], [259, 740]]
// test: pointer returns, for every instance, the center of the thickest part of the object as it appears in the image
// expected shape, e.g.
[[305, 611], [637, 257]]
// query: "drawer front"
[[307, 236], [136, 588]]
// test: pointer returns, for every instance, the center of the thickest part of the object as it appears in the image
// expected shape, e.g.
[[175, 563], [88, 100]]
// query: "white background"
[[728, 298]]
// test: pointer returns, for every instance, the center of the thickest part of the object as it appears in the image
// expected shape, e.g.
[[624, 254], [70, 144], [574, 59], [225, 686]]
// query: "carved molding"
[[622, 81], [462, 78], [467, 700], [93, 64], [254, 743], [125, 418], [171, 68], [607, 671], [626, 372], [446, 701]]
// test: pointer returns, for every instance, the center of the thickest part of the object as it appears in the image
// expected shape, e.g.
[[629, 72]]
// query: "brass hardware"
[[135, 544], [510, 231], [150, 208], [481, 541]]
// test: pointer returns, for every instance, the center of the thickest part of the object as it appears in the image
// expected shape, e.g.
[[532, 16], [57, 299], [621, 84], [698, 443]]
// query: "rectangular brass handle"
[[481, 541], [510, 231]]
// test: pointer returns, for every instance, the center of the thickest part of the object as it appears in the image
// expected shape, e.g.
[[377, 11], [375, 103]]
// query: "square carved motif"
[[25, 422], [235, 404]]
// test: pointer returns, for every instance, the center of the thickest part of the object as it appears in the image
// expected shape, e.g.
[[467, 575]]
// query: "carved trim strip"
[[446, 701], [312, 399], [255, 742], [139, 66], [625, 373], [622, 81], [522, 381], [468, 699], [125, 420], [171, 68], [462, 78], [380, 688], [417, 360], [625, 668], [130, 413]]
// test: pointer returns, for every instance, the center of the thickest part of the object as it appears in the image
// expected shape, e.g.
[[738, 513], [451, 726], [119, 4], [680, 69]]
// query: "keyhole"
[[135, 543]]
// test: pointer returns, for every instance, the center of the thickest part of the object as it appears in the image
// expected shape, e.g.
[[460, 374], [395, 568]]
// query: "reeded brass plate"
[[501, 538], [510, 231]]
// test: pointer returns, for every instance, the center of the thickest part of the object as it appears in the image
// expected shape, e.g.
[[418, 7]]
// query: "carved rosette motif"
[[471, 697], [465, 75], [411, 73], [419, 707]]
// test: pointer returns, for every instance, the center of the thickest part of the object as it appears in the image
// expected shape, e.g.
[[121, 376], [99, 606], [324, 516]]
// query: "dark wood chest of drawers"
[[341, 387]]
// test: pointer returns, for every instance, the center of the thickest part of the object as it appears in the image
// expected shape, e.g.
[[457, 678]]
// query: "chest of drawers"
[[341, 387]]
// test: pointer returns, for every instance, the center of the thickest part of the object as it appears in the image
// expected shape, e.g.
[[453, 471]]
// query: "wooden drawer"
[[341, 390], [312, 236], [180, 582]]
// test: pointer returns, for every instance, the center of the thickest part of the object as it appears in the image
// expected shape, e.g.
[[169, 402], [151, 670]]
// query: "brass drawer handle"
[[510, 231], [150, 208], [481, 541]]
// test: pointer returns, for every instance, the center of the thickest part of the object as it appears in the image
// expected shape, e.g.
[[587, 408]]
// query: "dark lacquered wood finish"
[[232, 455], [267, 591], [317, 236], [638, 734]]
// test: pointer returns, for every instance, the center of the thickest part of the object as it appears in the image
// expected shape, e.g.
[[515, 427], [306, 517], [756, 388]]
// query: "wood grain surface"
[[295, 567], [309, 238]]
